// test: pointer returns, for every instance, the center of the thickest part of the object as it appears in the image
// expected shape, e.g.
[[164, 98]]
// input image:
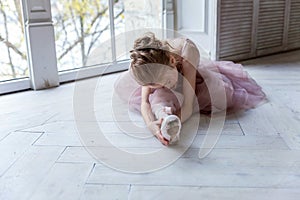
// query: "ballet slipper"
[[170, 128]]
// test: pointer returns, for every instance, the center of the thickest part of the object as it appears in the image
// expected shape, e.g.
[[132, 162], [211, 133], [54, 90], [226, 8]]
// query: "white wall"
[[197, 19], [191, 15]]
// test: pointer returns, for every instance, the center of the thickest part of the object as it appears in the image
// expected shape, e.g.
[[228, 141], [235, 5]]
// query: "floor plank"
[[21, 180], [192, 172], [196, 193], [13, 147], [63, 181], [96, 192]]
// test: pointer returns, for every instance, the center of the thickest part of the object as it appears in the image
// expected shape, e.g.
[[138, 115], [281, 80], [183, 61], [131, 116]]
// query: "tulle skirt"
[[240, 91]]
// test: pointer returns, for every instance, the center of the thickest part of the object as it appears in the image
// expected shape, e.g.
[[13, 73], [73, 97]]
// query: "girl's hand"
[[154, 127]]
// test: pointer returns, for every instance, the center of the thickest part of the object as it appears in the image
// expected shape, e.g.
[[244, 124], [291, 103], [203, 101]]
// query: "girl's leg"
[[164, 103]]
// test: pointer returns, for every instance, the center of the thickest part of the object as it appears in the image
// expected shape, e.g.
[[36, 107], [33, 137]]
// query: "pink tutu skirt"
[[241, 91]]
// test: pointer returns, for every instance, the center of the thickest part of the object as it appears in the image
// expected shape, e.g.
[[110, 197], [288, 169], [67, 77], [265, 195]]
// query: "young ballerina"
[[168, 84]]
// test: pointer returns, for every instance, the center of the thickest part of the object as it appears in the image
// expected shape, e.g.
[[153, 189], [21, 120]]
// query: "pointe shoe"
[[170, 128]]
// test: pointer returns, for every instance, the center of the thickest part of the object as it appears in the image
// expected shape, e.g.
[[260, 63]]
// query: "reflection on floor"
[[257, 156]]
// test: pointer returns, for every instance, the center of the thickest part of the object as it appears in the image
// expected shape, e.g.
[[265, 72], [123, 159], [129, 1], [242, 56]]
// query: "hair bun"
[[147, 41]]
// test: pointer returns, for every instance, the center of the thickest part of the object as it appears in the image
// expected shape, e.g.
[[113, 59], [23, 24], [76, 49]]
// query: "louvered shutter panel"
[[271, 22], [250, 28], [235, 29], [294, 25]]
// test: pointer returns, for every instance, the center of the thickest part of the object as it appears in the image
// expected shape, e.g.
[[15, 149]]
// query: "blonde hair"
[[150, 59]]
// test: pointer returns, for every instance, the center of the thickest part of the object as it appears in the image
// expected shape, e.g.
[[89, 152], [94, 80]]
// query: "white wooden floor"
[[256, 157]]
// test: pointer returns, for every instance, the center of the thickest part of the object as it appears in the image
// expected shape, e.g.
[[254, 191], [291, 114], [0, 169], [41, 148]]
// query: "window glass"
[[81, 27], [132, 19], [83, 32], [13, 58]]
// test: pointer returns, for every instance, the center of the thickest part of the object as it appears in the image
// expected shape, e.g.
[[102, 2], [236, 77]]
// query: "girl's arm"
[[189, 85], [145, 106], [191, 57], [152, 124]]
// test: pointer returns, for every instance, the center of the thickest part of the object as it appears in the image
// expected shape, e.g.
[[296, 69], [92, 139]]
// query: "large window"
[[80, 27], [13, 64], [84, 29], [88, 34]]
